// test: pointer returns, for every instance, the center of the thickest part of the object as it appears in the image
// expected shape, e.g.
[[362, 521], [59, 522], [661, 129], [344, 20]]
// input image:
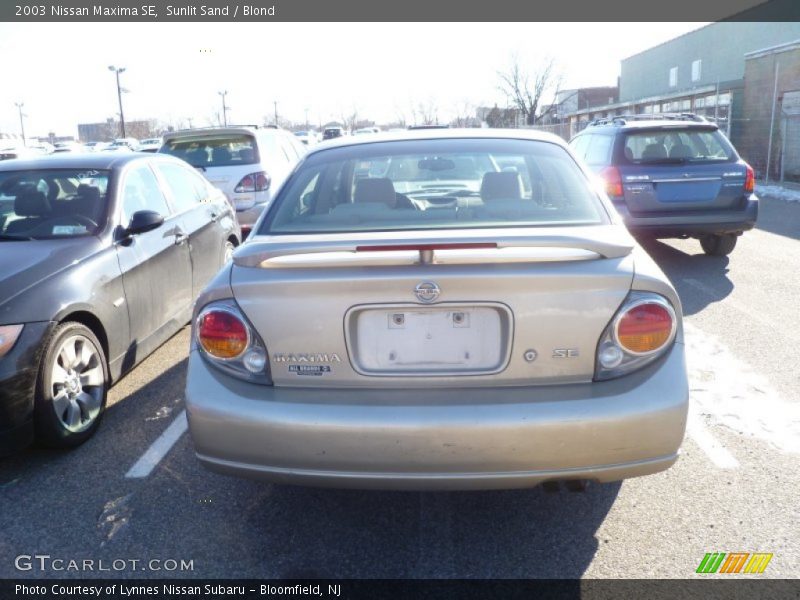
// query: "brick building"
[[771, 106]]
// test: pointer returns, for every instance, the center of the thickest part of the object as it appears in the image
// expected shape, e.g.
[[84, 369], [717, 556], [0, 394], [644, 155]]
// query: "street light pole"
[[119, 97], [306, 118], [21, 121], [275, 103], [224, 108]]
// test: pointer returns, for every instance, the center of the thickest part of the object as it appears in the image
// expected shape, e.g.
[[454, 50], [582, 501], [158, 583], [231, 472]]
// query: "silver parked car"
[[443, 309], [248, 163]]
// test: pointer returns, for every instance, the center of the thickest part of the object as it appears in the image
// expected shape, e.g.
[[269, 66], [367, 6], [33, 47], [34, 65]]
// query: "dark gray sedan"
[[101, 256]]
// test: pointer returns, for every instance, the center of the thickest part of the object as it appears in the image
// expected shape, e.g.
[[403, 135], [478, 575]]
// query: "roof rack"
[[620, 120], [229, 126]]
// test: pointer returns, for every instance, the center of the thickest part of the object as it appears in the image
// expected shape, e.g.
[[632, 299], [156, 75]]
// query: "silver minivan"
[[248, 163]]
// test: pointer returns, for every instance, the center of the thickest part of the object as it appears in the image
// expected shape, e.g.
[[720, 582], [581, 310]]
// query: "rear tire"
[[718, 244], [72, 387]]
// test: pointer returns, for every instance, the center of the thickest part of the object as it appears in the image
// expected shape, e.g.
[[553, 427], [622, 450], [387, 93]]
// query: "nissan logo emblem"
[[427, 291]]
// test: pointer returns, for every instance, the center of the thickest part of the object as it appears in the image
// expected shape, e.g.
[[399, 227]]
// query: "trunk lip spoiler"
[[608, 241]]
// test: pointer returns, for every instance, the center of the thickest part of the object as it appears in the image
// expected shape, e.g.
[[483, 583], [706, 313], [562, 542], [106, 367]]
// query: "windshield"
[[677, 146], [52, 203], [434, 184], [214, 150]]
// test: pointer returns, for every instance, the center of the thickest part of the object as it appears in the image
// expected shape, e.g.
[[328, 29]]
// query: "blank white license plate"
[[426, 340]]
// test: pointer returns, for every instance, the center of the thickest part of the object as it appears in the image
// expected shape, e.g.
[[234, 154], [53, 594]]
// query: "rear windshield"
[[677, 146], [434, 184], [214, 150], [52, 203]]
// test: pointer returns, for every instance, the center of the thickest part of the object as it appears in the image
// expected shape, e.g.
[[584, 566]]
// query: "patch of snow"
[[726, 391], [778, 192]]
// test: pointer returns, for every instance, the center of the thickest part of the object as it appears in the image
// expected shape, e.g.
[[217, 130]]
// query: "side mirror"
[[144, 220]]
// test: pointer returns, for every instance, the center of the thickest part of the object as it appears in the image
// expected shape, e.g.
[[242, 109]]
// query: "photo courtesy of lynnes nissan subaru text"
[[443, 309]]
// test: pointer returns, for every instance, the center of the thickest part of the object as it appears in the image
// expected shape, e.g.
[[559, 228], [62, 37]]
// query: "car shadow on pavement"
[[321, 533], [699, 279]]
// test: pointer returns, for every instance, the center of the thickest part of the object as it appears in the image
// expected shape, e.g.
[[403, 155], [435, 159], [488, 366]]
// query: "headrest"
[[375, 189], [652, 151], [220, 154], [506, 184], [247, 155], [31, 203], [680, 151], [88, 192]]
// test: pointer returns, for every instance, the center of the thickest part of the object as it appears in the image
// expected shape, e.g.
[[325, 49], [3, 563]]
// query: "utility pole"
[[224, 108], [772, 120], [119, 97], [275, 103], [306, 118], [21, 121]]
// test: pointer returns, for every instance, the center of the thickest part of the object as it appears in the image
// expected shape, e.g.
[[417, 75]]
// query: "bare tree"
[[526, 89], [464, 115], [400, 116], [502, 117], [427, 112], [349, 118]]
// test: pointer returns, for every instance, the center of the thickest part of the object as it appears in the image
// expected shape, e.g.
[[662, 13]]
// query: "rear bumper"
[[470, 438], [691, 223]]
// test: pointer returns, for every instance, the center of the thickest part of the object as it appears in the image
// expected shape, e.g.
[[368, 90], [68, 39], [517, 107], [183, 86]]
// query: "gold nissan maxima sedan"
[[442, 309]]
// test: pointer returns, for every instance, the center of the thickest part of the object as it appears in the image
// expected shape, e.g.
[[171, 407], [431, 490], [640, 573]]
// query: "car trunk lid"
[[416, 310], [682, 187]]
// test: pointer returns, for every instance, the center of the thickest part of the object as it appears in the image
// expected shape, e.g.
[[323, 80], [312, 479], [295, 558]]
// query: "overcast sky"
[[175, 71]]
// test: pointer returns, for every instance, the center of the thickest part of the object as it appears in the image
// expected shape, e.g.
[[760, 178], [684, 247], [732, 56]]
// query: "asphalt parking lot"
[[132, 494]]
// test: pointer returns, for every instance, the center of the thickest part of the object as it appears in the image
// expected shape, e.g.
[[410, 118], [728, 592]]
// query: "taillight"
[[221, 334], [750, 180], [641, 331], [228, 341], [613, 181], [644, 328], [254, 182]]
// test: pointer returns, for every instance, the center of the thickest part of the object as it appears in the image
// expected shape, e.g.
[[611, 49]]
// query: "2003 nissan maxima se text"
[[438, 310]]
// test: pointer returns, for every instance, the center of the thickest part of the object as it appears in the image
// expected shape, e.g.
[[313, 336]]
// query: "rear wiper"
[[14, 238], [662, 161]]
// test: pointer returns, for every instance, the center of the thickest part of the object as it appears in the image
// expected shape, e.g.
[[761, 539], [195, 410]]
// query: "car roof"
[[439, 134], [203, 131], [655, 121], [105, 161]]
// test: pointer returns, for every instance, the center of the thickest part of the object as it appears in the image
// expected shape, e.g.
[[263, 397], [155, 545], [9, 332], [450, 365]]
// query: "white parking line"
[[159, 449], [708, 444]]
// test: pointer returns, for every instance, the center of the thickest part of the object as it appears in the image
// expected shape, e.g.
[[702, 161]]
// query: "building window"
[[697, 66], [673, 77]]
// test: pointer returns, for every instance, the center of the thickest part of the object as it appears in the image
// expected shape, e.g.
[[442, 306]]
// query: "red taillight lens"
[[222, 334], [645, 328], [613, 181], [750, 180], [254, 182]]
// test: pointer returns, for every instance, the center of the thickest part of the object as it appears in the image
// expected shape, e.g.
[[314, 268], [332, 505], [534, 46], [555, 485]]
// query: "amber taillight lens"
[[644, 328], [750, 180], [222, 334]]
